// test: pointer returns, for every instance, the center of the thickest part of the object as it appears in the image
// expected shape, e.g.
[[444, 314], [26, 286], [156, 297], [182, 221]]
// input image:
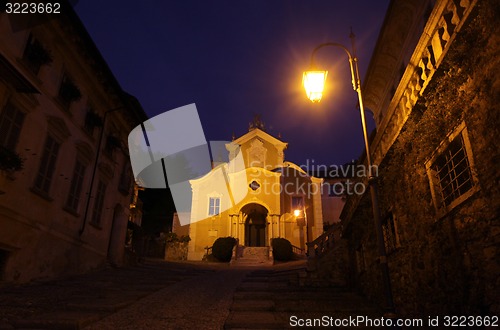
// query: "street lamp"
[[297, 212], [314, 82], [94, 168]]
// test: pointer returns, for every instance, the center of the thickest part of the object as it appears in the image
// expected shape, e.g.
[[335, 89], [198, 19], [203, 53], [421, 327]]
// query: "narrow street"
[[164, 295]]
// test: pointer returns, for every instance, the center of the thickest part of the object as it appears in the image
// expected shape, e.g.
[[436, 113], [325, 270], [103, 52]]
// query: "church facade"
[[254, 197]]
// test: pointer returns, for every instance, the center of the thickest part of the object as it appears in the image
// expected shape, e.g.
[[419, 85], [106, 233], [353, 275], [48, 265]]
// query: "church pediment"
[[260, 149], [261, 135]]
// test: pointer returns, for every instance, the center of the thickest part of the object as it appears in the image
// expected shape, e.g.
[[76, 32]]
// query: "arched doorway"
[[255, 224]]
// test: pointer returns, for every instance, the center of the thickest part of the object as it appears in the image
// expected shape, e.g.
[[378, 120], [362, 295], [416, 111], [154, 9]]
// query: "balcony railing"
[[320, 246]]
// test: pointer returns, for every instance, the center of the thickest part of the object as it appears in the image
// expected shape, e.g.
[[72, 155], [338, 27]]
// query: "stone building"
[[65, 117], [433, 86], [258, 199]]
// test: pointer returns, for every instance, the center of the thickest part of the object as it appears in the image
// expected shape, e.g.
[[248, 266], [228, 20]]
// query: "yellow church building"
[[254, 197]]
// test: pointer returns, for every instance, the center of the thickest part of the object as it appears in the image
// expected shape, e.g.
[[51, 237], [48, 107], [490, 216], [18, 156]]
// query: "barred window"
[[451, 171]]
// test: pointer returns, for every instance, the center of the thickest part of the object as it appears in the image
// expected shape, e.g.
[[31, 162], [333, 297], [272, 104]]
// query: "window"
[[47, 165], [391, 239], [213, 206], [98, 203], [75, 189], [11, 122], [125, 179], [451, 171]]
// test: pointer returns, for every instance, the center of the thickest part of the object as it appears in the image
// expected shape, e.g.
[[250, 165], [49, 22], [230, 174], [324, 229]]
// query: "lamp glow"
[[296, 213], [314, 83]]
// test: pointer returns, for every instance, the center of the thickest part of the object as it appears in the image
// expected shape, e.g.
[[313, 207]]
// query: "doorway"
[[255, 224]]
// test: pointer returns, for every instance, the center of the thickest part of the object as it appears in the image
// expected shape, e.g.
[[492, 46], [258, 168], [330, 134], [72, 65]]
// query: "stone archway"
[[255, 224]]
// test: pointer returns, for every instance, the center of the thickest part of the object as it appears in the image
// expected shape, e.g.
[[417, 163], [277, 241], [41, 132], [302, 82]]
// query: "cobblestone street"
[[164, 295]]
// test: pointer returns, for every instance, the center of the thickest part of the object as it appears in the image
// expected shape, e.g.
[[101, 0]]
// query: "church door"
[[255, 228]]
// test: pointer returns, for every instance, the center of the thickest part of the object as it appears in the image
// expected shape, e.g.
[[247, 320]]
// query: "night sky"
[[236, 59]]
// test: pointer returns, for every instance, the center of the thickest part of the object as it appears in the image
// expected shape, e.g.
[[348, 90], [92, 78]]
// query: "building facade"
[[261, 198], [432, 86], [65, 117]]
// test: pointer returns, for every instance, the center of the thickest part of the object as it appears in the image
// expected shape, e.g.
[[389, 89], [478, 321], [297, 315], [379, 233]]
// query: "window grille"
[[453, 172]]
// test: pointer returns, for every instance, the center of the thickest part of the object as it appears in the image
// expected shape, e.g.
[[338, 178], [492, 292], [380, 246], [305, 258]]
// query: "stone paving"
[[166, 295]]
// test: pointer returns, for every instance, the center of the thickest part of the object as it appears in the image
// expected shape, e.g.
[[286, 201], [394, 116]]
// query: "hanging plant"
[[37, 54], [10, 160], [69, 92]]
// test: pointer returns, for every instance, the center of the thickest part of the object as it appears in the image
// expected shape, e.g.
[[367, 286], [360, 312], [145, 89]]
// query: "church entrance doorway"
[[255, 224]]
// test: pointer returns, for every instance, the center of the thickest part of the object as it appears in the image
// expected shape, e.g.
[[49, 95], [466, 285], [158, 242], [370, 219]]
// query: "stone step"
[[253, 305], [267, 298], [251, 262], [251, 295], [60, 320]]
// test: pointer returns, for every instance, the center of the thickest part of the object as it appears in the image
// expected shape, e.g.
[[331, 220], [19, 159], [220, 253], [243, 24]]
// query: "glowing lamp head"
[[296, 213], [314, 83]]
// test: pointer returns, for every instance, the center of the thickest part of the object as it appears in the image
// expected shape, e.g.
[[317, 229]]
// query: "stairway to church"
[[273, 298], [252, 256]]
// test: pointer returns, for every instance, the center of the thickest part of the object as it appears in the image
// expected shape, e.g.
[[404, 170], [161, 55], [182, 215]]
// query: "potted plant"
[[36, 55], [69, 92], [10, 162]]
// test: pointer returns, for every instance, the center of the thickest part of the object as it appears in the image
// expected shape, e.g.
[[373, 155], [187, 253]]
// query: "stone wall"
[[444, 264]]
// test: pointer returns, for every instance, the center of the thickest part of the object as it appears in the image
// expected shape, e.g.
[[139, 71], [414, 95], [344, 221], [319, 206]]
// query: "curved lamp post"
[[297, 213], [94, 168], [314, 82]]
